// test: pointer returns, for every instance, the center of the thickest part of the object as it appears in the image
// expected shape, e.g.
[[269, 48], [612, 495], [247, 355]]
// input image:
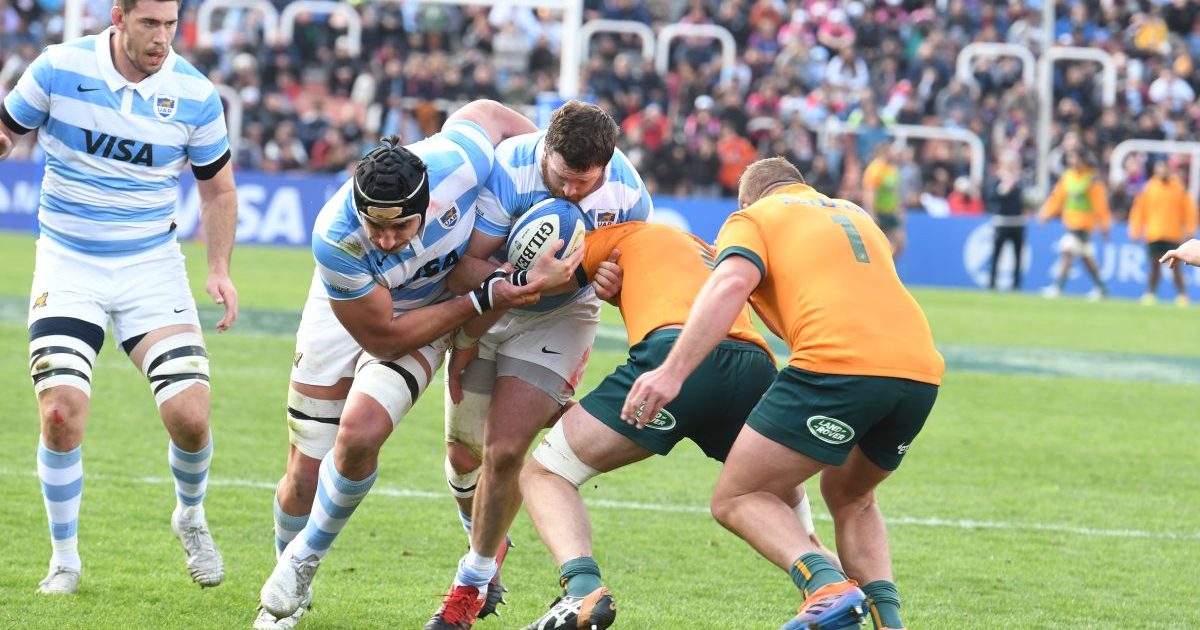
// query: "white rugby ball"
[[538, 228]]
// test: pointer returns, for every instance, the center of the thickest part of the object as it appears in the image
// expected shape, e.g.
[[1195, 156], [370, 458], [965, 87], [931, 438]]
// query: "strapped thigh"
[[174, 364], [62, 351]]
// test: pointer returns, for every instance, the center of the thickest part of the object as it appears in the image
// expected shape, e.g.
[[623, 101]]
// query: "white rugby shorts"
[[139, 293], [558, 340], [325, 351]]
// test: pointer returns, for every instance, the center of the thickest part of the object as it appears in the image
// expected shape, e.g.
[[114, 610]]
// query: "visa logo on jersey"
[[120, 149]]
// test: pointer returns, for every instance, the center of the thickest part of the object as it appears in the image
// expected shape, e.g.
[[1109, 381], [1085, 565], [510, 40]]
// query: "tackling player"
[[120, 116], [860, 384], [658, 270], [374, 329]]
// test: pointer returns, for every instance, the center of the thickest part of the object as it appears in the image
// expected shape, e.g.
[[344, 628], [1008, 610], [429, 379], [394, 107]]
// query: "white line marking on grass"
[[408, 493]]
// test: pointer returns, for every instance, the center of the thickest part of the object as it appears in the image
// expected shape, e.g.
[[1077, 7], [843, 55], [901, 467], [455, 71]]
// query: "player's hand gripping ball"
[[540, 227]]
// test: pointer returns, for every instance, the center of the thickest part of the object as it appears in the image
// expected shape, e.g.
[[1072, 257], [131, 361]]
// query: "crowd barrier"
[[944, 252]]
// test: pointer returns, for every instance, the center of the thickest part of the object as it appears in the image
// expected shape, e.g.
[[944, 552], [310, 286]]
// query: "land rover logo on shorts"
[[830, 430], [663, 421]]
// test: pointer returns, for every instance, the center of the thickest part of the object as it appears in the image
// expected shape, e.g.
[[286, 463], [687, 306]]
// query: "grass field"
[[1055, 486]]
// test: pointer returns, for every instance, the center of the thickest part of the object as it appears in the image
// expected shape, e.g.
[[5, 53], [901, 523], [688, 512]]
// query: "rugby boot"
[[459, 609], [831, 607], [594, 611]]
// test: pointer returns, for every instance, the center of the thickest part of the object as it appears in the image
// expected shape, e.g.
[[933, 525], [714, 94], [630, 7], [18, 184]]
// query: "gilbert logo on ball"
[[541, 226]]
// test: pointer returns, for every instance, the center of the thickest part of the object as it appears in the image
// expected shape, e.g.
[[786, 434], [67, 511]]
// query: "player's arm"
[[1098, 195], [476, 262], [27, 106], [869, 182], [1188, 253], [717, 306], [1053, 203], [369, 318], [7, 139], [496, 120], [608, 278], [218, 212], [1190, 215], [1135, 217]]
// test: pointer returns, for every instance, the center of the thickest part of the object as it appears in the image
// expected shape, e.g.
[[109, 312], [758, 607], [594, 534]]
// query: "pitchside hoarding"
[[944, 252]]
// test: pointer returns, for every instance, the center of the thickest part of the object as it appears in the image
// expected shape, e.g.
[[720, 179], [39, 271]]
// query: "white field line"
[[409, 493]]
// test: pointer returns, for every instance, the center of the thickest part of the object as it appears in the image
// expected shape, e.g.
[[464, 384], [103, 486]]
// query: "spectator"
[[820, 177], [284, 151], [848, 71], [735, 153], [701, 123], [964, 200], [653, 126], [331, 153], [1170, 90], [1005, 202], [705, 167]]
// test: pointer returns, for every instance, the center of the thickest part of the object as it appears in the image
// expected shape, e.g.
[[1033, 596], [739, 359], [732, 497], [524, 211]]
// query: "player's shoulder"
[[620, 169], [77, 55], [519, 151], [187, 80], [333, 215], [466, 133]]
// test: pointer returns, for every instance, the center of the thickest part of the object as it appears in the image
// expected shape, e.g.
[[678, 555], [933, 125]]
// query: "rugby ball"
[[538, 228]]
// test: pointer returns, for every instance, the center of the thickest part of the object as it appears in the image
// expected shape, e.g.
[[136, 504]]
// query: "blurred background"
[[701, 89]]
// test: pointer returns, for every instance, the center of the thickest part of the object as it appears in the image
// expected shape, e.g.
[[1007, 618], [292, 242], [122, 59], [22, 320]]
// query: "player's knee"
[[360, 437], [722, 508], [844, 500], [191, 425], [298, 486], [395, 385], [175, 364], [312, 425], [62, 421], [555, 455], [465, 423], [460, 475], [461, 458], [505, 457]]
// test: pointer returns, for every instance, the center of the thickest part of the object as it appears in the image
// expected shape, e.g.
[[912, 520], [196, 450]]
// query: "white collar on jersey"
[[148, 86]]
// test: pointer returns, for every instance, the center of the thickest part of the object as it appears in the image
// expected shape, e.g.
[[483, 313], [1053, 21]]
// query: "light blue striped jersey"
[[516, 184], [114, 149], [349, 265]]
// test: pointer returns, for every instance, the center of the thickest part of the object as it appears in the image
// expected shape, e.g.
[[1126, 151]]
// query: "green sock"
[[812, 571], [579, 576], [884, 601]]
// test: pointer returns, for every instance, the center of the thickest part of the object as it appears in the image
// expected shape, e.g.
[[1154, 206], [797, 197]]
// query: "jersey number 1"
[[856, 242]]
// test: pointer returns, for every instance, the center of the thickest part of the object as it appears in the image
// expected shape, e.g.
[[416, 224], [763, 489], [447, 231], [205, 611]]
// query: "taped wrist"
[[481, 298], [520, 278]]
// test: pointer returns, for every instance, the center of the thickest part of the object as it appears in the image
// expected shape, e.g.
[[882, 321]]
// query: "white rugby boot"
[[267, 621], [203, 560], [60, 581], [290, 583]]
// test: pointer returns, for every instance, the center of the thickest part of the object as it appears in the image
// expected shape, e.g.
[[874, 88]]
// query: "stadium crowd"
[[313, 106]]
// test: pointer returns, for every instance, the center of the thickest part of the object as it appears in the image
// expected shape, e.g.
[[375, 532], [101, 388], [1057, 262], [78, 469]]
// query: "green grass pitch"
[[1054, 486]]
